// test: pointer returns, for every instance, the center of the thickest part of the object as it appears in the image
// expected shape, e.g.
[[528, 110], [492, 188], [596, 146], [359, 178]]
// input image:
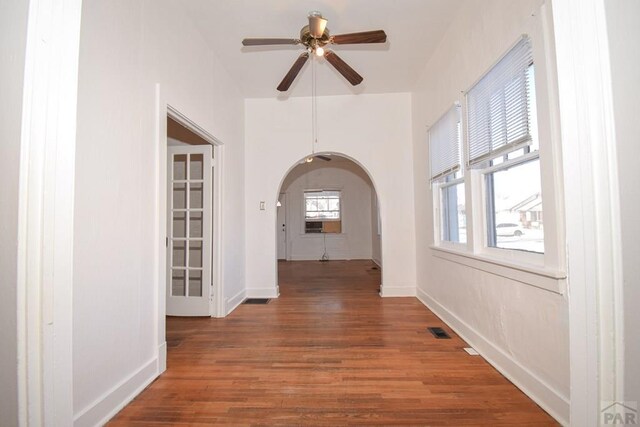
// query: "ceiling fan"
[[314, 37]]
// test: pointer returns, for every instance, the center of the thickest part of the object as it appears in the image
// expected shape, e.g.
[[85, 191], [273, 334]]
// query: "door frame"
[[286, 228], [163, 110]]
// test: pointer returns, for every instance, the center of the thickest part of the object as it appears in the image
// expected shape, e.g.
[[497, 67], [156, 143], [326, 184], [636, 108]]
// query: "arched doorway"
[[328, 210]]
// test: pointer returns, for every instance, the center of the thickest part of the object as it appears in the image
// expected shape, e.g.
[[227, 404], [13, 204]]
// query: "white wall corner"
[[162, 357], [272, 292], [111, 402], [397, 291], [233, 302], [549, 399]]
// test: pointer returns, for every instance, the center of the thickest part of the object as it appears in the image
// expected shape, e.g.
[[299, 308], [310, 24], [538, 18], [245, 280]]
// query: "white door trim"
[[46, 207], [287, 255], [163, 110], [592, 208]]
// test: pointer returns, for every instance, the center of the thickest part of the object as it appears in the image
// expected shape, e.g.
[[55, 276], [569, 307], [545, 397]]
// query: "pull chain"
[[314, 106]]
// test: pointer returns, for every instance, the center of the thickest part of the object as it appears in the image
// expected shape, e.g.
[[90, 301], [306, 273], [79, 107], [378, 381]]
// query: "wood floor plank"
[[329, 352]]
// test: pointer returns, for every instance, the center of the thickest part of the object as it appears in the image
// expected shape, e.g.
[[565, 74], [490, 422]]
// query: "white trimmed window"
[[503, 142], [322, 211], [446, 175]]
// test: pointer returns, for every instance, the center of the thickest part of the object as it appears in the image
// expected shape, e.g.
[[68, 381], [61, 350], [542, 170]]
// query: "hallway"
[[329, 351]]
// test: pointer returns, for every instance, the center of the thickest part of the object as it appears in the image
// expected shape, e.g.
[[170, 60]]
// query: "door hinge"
[[166, 242]]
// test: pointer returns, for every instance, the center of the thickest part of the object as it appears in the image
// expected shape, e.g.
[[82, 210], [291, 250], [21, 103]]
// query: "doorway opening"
[[192, 242], [328, 210]]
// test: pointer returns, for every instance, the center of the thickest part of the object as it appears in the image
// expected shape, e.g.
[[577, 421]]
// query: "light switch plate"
[[261, 206]]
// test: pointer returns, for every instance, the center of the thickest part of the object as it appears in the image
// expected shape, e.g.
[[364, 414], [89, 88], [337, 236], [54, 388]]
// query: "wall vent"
[[256, 301], [438, 332]]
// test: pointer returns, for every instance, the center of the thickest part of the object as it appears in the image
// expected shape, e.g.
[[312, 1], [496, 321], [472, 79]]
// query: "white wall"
[[624, 33], [126, 48], [13, 21], [375, 130], [354, 242], [522, 329]]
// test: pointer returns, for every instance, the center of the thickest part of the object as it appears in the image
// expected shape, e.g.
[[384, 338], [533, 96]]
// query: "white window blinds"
[[444, 144], [498, 106]]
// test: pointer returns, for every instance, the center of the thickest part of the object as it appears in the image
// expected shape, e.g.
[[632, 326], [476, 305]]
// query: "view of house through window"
[[322, 212], [513, 191], [514, 206]]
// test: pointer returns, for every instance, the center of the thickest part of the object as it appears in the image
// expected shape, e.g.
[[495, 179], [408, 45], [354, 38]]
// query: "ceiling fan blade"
[[317, 24], [343, 68], [376, 36], [325, 158], [293, 72], [265, 42]]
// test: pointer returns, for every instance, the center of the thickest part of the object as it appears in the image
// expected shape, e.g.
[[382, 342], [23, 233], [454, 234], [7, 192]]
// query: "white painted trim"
[[540, 277], [397, 291], [272, 292], [235, 301], [111, 402], [45, 213], [595, 287], [550, 399], [191, 125], [337, 256], [162, 357], [218, 231], [163, 110], [377, 262]]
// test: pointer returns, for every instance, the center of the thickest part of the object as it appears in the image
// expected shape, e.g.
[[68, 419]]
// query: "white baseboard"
[[233, 302], [377, 262], [262, 292], [332, 257], [397, 291], [539, 391], [105, 407]]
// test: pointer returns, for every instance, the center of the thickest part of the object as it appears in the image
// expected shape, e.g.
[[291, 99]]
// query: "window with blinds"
[[498, 106], [444, 144]]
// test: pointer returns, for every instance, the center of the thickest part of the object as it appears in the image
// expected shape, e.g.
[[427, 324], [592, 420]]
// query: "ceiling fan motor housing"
[[309, 41]]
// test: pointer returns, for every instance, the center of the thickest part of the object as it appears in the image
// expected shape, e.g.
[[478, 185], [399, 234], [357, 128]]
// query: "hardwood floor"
[[330, 352]]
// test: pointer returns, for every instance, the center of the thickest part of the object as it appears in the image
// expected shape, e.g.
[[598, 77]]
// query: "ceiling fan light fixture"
[[313, 38]]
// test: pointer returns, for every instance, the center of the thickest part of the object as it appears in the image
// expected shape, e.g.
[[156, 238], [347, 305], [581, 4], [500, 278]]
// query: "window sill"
[[529, 274]]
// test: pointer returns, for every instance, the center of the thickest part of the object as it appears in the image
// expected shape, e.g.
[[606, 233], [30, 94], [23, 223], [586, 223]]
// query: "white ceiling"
[[414, 28]]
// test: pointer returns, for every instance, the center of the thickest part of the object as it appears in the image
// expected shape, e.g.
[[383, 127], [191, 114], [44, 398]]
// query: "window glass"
[[322, 212], [454, 219], [320, 205], [514, 208]]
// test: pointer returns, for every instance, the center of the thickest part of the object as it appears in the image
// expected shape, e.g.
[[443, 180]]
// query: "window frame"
[[549, 267], [340, 219], [439, 187], [487, 221], [441, 181]]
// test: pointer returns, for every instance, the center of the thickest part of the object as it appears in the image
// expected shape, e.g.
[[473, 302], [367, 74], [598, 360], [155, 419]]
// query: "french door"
[[189, 203]]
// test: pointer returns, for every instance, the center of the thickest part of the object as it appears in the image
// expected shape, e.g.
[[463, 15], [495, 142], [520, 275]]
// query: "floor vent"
[[439, 333], [256, 301]]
